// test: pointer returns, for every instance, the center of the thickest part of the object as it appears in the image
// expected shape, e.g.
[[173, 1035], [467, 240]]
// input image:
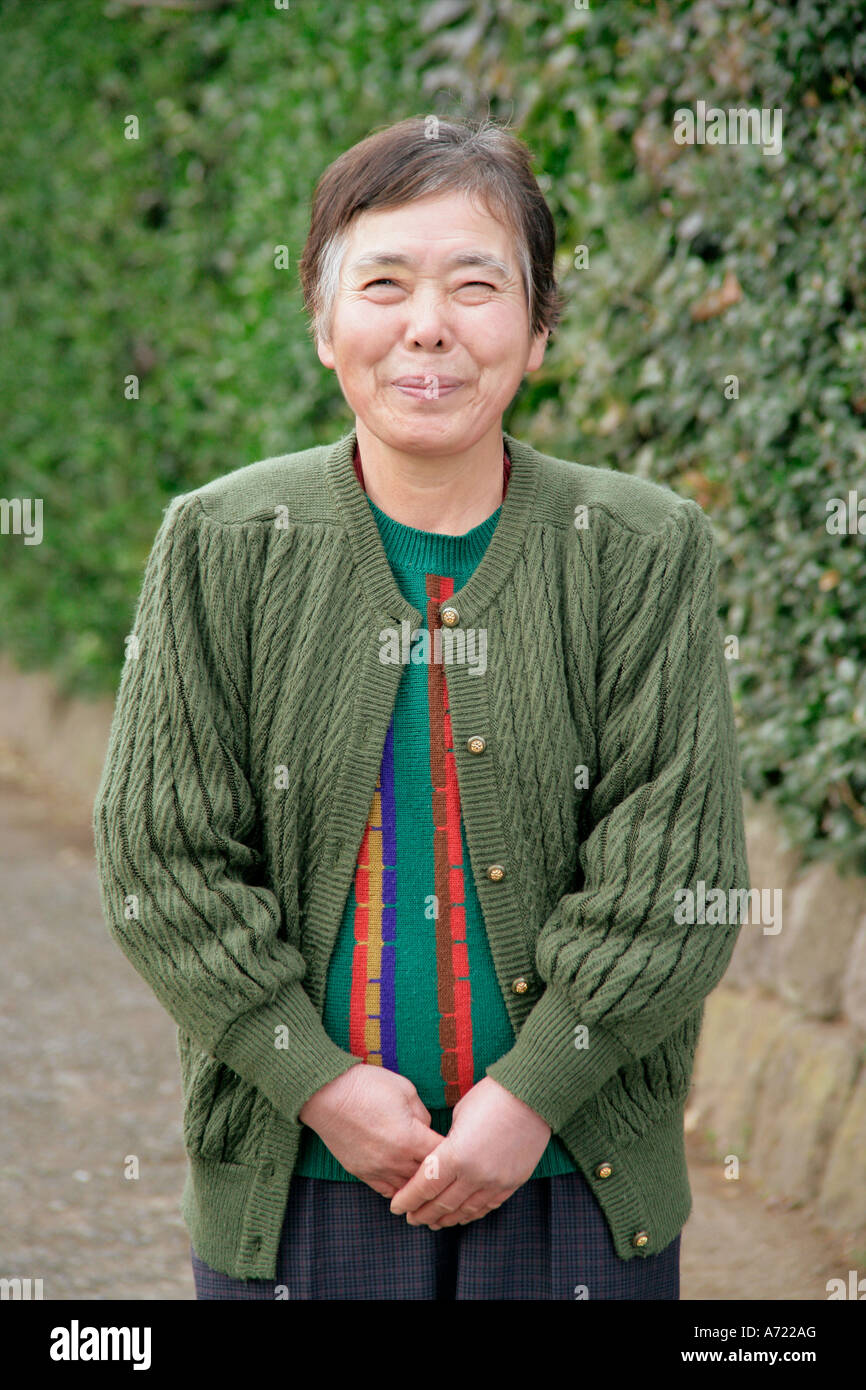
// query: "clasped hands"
[[376, 1125]]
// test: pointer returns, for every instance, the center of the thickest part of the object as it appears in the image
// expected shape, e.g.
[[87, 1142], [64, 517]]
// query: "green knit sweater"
[[244, 752], [408, 988]]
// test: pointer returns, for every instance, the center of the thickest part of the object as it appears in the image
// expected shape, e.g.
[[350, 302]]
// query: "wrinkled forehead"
[[446, 232]]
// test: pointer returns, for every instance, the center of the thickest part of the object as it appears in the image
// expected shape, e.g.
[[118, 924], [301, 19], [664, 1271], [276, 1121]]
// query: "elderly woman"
[[423, 753]]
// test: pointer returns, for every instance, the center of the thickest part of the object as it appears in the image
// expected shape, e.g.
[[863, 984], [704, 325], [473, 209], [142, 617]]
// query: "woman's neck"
[[449, 506]]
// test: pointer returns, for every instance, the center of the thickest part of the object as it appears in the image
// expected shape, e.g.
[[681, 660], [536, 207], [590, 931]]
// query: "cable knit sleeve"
[[665, 813], [175, 822]]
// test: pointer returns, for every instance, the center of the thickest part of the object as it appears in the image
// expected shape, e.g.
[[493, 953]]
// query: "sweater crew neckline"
[[409, 548], [500, 536]]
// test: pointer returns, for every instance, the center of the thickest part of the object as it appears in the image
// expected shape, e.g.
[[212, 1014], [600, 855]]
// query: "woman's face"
[[406, 308]]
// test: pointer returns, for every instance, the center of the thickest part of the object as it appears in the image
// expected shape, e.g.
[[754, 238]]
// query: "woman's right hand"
[[374, 1123]]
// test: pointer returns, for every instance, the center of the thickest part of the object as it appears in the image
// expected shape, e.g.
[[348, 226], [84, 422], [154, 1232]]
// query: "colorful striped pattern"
[[372, 1002], [372, 1010]]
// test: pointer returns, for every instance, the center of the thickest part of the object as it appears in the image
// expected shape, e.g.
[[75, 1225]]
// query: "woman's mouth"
[[427, 388]]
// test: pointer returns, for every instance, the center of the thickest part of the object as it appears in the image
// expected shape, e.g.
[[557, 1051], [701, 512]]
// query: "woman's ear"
[[536, 352], [323, 349]]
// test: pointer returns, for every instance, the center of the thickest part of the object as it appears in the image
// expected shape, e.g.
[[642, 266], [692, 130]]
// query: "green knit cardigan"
[[243, 755]]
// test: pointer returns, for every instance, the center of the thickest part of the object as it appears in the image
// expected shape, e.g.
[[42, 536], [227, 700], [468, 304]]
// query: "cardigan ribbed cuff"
[[547, 1071], [287, 1076]]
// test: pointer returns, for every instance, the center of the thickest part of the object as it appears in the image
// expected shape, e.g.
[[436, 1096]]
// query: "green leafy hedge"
[[155, 257]]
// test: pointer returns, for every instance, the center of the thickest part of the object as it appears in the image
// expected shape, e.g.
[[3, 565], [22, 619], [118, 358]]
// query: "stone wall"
[[780, 1080]]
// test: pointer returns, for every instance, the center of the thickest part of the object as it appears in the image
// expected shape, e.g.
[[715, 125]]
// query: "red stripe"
[[457, 894], [358, 1001], [358, 994]]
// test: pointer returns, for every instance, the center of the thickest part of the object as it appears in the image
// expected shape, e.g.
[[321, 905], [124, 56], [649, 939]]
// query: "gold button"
[[476, 744], [641, 1238], [603, 1170], [520, 985], [450, 617], [496, 872]]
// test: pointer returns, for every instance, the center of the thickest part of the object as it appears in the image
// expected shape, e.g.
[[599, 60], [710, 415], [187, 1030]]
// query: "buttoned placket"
[[485, 831]]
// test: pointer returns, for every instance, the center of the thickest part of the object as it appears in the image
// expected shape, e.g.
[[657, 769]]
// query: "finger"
[[431, 1179], [420, 1111], [423, 1145], [386, 1189], [471, 1209], [447, 1202], [428, 1165], [399, 1174], [465, 1216]]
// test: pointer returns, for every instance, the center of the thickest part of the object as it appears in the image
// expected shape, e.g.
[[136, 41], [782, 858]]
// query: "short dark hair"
[[413, 159]]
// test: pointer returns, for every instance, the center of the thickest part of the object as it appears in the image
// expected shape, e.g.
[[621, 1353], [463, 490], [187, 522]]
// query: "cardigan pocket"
[[649, 1090], [225, 1117]]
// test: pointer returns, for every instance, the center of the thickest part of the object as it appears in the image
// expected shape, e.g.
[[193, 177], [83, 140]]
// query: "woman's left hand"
[[492, 1147]]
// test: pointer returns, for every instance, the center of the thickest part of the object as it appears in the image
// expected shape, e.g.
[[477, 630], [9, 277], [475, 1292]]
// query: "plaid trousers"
[[549, 1240]]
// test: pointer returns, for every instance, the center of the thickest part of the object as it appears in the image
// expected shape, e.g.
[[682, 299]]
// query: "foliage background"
[[156, 257]]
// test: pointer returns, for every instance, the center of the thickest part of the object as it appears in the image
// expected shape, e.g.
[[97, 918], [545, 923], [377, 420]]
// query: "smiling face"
[[430, 334]]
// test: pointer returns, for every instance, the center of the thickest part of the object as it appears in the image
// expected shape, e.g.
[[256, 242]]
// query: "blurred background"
[[154, 159]]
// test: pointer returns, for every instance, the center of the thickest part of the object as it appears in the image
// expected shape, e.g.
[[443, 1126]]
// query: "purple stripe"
[[389, 809], [387, 1016]]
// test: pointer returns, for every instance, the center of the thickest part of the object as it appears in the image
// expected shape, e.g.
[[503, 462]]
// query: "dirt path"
[[90, 1076]]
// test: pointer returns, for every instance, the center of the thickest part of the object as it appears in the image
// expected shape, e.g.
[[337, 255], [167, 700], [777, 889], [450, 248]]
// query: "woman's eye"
[[468, 284]]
